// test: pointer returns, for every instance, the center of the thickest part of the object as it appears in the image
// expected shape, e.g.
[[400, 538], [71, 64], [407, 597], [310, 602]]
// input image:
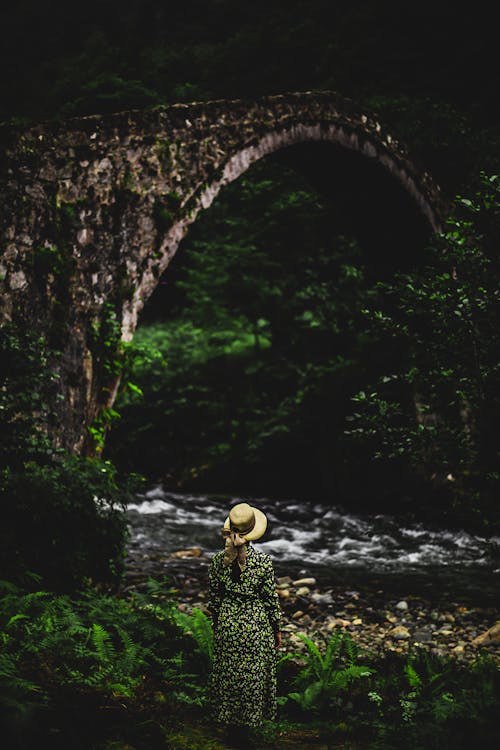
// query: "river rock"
[[283, 581], [303, 591], [402, 605], [399, 633], [422, 636], [193, 552], [332, 623], [321, 598], [490, 636], [305, 582], [305, 619], [283, 593]]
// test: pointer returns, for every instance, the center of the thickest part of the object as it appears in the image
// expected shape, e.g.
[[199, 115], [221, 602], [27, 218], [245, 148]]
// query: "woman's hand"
[[277, 639]]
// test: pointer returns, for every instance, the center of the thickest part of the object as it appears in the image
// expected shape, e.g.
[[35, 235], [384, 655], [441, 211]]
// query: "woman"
[[246, 620]]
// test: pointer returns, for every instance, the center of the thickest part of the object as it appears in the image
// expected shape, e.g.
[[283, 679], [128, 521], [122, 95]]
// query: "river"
[[327, 541]]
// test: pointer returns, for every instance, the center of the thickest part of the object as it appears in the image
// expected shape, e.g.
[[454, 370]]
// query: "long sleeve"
[[214, 589], [270, 597]]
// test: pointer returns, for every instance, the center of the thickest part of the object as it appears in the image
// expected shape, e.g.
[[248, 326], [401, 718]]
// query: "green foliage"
[[325, 677], [27, 389], [419, 700], [89, 642], [428, 700], [62, 515], [257, 349], [439, 409], [199, 626], [65, 520]]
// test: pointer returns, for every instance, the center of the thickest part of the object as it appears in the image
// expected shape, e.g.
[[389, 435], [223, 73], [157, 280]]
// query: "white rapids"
[[319, 535]]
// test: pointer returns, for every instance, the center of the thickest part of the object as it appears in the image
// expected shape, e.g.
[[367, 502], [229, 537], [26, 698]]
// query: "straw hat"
[[250, 522]]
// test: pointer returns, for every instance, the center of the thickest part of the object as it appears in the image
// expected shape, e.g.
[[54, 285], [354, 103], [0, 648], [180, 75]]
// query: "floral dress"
[[246, 614]]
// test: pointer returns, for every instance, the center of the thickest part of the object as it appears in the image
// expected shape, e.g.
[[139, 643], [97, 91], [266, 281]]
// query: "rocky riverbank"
[[376, 620]]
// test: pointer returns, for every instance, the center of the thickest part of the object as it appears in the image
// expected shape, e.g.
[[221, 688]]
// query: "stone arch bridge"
[[93, 209]]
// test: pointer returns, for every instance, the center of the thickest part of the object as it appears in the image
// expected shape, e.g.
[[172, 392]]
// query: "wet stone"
[[303, 591], [399, 633], [422, 636], [305, 582]]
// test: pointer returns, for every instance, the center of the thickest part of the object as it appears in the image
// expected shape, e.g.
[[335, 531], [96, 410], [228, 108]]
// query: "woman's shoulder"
[[262, 558]]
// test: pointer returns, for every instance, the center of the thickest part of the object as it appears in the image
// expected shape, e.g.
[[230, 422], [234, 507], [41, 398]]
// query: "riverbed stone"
[[492, 635], [318, 598], [192, 552], [422, 636], [399, 633], [334, 622], [444, 631], [402, 605], [305, 582], [303, 591]]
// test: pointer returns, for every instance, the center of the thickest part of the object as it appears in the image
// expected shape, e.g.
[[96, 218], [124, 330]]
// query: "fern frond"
[[315, 658], [102, 643]]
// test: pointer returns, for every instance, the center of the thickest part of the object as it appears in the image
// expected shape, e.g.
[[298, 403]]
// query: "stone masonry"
[[93, 209]]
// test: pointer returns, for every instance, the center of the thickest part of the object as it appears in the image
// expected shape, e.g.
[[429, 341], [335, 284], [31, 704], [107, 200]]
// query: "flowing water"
[[329, 542]]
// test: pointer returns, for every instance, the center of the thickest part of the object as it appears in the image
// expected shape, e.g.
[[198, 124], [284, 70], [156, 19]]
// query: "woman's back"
[[246, 618]]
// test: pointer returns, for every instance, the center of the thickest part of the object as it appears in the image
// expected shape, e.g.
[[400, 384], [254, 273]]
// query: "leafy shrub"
[[64, 520], [324, 678], [431, 701], [62, 515], [199, 626], [92, 642]]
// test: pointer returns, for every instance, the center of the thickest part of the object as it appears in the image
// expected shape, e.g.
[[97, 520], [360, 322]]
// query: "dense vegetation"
[[101, 671]]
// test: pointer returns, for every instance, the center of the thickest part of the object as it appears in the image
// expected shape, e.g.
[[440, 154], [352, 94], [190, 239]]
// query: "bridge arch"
[[97, 207]]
